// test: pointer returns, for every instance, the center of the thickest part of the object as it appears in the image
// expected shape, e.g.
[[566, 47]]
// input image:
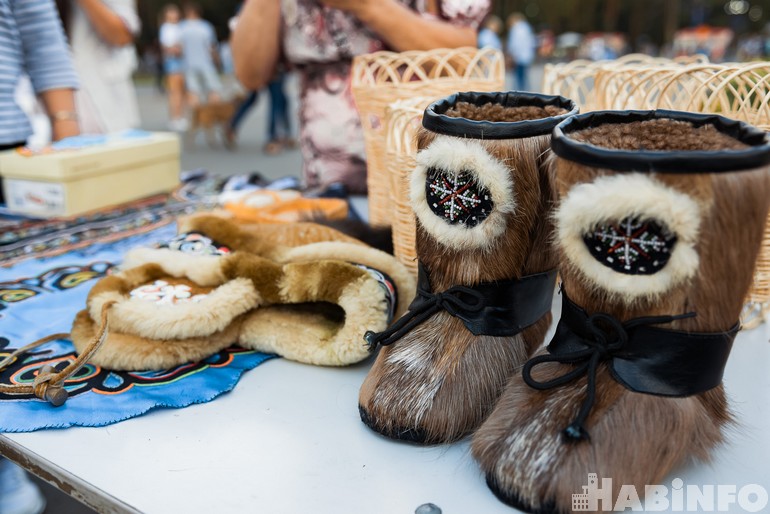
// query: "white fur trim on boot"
[[454, 156], [610, 199]]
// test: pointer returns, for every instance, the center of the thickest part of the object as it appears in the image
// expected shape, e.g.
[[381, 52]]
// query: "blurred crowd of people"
[[191, 63], [520, 45]]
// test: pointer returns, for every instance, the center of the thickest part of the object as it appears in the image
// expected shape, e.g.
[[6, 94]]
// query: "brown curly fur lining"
[[657, 135], [497, 112]]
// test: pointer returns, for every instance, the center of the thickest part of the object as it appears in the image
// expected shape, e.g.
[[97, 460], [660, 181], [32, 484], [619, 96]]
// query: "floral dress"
[[320, 43]]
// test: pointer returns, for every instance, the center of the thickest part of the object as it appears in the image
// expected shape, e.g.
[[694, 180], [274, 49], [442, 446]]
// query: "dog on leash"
[[212, 116]]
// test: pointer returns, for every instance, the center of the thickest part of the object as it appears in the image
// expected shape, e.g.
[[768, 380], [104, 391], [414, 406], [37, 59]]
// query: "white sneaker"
[[178, 125], [18, 495]]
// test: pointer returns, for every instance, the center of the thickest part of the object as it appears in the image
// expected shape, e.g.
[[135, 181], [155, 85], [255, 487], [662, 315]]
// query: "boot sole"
[[513, 500], [410, 435]]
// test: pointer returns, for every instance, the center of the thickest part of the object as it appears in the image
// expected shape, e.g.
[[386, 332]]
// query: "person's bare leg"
[[175, 86]]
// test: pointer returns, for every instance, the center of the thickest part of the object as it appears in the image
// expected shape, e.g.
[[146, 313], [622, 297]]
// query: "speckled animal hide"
[[439, 381], [635, 438]]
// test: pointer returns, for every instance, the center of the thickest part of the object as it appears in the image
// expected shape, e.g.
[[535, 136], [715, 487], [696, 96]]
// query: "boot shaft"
[[660, 213], [480, 190]]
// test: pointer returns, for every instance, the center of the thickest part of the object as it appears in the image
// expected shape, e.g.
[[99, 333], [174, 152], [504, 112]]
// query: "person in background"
[[489, 35], [320, 38], [521, 47], [199, 51], [173, 67], [279, 124], [101, 34], [248, 102], [279, 127], [32, 40]]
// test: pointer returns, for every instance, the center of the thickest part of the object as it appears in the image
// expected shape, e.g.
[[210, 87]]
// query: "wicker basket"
[[402, 121], [740, 91], [381, 78], [643, 87], [573, 80], [578, 80]]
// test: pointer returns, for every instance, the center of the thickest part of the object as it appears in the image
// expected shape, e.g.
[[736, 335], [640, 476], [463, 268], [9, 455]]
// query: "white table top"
[[288, 439]]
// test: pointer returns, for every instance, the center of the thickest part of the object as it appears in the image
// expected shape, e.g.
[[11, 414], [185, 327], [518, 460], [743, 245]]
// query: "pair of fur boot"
[[653, 221]]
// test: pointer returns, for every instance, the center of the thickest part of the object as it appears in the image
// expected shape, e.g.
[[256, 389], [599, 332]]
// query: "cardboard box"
[[73, 181]]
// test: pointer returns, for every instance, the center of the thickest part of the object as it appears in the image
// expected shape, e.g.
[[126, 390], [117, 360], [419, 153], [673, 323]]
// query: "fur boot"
[[486, 272], [658, 225]]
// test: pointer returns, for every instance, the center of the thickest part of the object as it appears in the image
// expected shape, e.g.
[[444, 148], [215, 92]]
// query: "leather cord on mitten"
[[49, 384]]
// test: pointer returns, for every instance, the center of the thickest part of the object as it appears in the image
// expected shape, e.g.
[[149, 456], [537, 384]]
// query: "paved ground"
[[246, 158], [253, 135], [248, 155]]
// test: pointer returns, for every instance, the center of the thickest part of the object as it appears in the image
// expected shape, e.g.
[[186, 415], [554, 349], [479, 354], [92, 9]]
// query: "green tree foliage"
[[655, 19], [218, 12]]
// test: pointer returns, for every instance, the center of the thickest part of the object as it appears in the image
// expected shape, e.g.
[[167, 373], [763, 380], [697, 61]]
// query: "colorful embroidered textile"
[[22, 238], [41, 296]]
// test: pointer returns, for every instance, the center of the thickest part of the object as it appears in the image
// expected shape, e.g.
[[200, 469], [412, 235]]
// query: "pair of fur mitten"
[[303, 291]]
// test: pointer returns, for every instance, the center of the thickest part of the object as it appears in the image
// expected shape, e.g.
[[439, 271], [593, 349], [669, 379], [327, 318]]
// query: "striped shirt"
[[31, 41]]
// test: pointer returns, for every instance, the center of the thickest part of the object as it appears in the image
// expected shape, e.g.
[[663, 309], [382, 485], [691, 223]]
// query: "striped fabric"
[[31, 40]]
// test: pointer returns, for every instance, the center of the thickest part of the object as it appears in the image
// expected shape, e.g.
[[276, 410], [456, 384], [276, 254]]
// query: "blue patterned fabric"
[[41, 296]]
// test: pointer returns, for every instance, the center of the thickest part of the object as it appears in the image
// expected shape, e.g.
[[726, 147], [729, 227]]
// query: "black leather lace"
[[608, 338], [455, 300]]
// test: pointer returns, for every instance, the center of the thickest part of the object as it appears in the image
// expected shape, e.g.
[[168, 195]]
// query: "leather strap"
[[653, 360], [500, 308], [509, 307], [642, 358]]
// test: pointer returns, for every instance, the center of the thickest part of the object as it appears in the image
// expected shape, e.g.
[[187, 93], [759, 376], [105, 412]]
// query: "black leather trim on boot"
[[410, 435], [436, 121], [512, 500], [672, 161]]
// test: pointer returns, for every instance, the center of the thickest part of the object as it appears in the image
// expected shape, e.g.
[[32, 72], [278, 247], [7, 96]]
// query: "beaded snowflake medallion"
[[457, 197], [631, 246]]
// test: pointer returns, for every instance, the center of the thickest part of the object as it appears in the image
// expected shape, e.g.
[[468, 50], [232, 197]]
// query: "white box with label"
[[71, 182]]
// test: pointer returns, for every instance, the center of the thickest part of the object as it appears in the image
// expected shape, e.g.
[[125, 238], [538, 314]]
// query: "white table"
[[288, 440]]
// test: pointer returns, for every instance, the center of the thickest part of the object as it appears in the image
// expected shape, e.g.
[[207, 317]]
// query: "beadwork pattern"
[[457, 197], [631, 246]]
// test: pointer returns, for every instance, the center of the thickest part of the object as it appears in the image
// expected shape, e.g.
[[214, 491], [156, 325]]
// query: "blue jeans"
[[280, 126], [521, 74], [243, 109]]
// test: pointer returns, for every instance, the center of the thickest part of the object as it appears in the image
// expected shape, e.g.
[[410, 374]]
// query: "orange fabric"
[[275, 207]]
